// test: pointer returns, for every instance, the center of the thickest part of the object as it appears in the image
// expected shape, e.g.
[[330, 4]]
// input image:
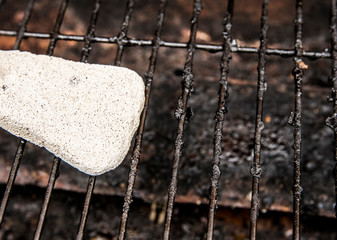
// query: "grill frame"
[[228, 47]]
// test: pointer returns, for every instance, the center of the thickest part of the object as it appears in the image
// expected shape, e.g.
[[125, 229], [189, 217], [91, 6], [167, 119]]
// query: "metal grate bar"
[[123, 32], [11, 178], [181, 115], [22, 142], [51, 183], [206, 47], [56, 30], [84, 56], [256, 169], [120, 50], [295, 119], [149, 75], [219, 117], [90, 190], [56, 163], [90, 33], [23, 25], [332, 121]]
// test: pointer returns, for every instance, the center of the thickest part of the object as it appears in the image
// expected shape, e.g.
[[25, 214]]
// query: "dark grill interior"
[[266, 168]]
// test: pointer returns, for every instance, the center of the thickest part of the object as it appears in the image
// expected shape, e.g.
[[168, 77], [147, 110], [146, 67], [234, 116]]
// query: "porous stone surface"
[[85, 114]]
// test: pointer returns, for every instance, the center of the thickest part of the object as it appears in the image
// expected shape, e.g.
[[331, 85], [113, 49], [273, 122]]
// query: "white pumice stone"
[[85, 114]]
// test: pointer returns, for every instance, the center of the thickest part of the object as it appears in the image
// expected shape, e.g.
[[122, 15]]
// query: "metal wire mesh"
[[182, 111]]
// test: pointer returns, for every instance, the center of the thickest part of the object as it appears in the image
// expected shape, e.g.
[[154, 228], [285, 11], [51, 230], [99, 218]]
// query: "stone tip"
[[86, 114]]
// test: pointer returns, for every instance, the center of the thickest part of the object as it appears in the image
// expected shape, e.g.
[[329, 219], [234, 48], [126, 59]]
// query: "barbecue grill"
[[264, 168]]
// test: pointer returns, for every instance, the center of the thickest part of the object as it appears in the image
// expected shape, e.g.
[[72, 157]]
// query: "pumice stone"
[[85, 114]]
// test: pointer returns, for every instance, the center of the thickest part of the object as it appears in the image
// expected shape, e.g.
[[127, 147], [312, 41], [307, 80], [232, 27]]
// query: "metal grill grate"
[[183, 112]]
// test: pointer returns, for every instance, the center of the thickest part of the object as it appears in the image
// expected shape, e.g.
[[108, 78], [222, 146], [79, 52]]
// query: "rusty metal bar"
[[11, 178], [135, 158], [213, 48], [57, 26], [22, 142], [181, 115], [84, 56], [133, 169], [54, 173], [90, 32], [332, 121], [23, 25], [83, 221], [219, 117], [51, 183], [133, 165], [124, 30], [295, 119], [256, 169]]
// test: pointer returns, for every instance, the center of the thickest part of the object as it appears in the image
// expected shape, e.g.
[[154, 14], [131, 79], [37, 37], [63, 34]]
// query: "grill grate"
[[219, 118], [183, 112]]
